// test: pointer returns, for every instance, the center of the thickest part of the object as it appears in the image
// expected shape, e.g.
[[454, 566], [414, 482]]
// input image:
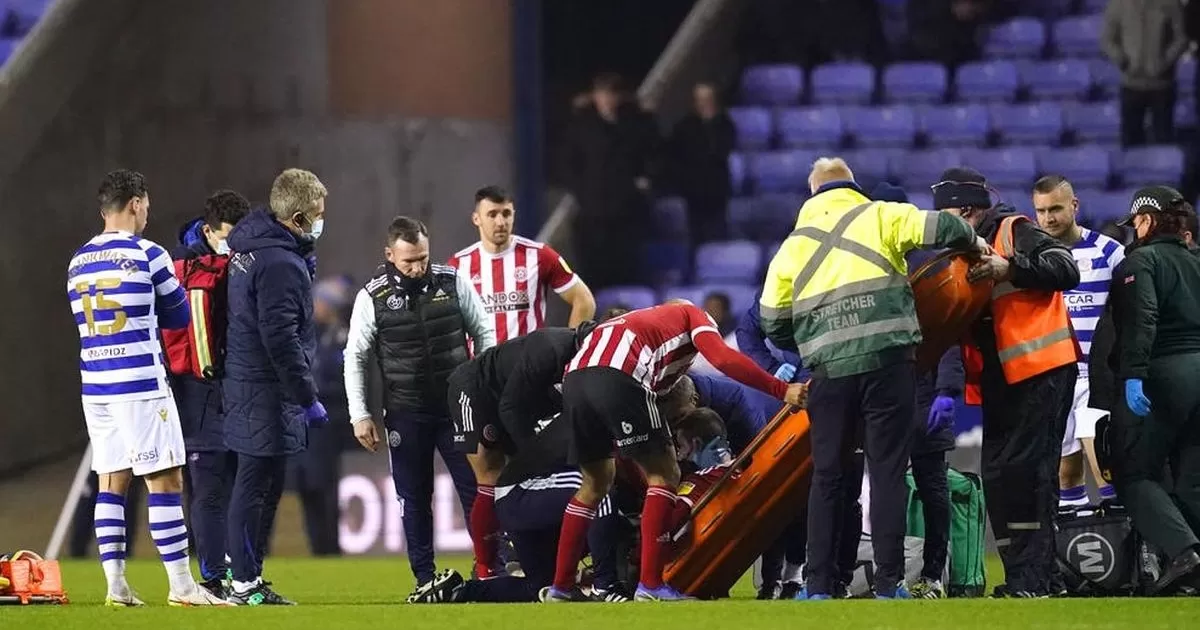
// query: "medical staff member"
[[837, 292], [1156, 313], [415, 318], [1021, 364]]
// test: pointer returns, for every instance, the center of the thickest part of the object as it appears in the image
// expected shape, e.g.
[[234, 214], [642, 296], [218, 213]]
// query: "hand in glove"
[[315, 414], [941, 414], [1135, 397], [785, 372]]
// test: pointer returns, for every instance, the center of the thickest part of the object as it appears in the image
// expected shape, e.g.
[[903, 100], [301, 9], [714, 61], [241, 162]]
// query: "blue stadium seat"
[[7, 47], [740, 217], [737, 172], [665, 262], [1007, 167], [921, 198], [986, 81], [1149, 165], [1106, 77], [1061, 79], [775, 216], [634, 297], [803, 127], [956, 125], [1093, 6], [1028, 123], [915, 82], [1185, 76], [778, 84], [731, 261], [882, 126], [1078, 36], [1095, 122], [741, 296], [1185, 112], [769, 252], [781, 171], [870, 166], [842, 83], [753, 125], [26, 13], [671, 217], [1085, 166], [1018, 37], [1107, 206], [1018, 198], [921, 169]]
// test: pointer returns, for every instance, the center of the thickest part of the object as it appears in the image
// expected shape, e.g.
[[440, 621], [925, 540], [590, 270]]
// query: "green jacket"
[[1156, 304], [837, 291]]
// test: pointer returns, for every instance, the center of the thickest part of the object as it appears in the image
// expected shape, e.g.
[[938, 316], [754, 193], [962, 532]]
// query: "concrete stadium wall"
[[202, 94]]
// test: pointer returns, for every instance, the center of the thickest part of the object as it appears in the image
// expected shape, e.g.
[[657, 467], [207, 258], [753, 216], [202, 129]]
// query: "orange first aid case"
[[28, 579], [746, 510]]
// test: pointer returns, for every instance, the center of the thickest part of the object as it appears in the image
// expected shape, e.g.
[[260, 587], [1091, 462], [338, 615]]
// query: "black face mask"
[[411, 285]]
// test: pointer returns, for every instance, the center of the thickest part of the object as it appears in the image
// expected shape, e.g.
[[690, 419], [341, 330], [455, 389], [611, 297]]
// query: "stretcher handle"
[[745, 455]]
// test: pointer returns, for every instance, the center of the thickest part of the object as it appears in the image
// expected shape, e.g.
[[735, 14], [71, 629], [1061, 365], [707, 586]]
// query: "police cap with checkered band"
[[1153, 199]]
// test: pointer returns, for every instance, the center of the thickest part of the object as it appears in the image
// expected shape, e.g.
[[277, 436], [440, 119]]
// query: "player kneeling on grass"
[[122, 289], [609, 393], [529, 507], [495, 400]]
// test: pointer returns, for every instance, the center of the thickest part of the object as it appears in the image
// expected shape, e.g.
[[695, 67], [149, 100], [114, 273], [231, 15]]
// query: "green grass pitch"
[[367, 592]]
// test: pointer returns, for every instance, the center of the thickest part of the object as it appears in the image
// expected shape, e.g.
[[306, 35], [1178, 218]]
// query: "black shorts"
[[473, 412], [605, 408]]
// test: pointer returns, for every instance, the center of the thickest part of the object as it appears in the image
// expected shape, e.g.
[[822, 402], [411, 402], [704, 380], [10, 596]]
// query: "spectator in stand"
[[716, 304], [947, 30], [1144, 38], [700, 147], [611, 158], [316, 471]]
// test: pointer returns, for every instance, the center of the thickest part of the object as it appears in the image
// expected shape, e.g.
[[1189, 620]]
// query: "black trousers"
[[1136, 105], [257, 488], [1166, 510], [1023, 427], [212, 476], [876, 409], [929, 473]]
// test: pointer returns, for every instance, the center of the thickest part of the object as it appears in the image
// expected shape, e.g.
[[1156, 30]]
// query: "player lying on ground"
[[122, 288], [609, 393], [530, 509], [495, 400]]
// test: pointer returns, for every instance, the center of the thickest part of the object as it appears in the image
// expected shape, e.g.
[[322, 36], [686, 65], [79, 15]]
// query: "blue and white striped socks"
[[170, 536], [110, 539], [1073, 497]]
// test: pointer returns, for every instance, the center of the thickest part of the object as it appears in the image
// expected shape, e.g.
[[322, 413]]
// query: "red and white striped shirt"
[[513, 282], [654, 345]]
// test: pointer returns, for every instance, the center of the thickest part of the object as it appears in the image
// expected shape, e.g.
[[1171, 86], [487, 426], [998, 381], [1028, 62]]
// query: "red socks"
[[656, 517], [571, 540], [483, 528]]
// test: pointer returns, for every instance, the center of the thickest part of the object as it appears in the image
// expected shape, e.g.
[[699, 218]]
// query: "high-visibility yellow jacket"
[[837, 291]]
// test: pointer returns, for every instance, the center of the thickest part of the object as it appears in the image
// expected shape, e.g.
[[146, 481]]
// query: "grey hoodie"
[[1144, 38]]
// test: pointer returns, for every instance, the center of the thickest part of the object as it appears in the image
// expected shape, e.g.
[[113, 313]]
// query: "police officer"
[[1021, 364], [838, 293], [415, 317], [1156, 313]]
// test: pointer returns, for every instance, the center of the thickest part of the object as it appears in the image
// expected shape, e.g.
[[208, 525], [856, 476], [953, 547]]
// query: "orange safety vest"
[[1032, 328]]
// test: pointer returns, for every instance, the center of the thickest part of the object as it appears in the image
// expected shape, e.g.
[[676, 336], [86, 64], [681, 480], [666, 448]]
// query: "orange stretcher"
[[946, 303], [25, 578], [746, 510]]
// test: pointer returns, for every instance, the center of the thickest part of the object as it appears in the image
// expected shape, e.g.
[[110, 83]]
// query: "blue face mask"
[[715, 453]]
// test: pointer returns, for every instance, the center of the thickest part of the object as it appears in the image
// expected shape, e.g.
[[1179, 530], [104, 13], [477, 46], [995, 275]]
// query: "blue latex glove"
[[715, 453], [785, 372], [1136, 398], [315, 414], [941, 414]]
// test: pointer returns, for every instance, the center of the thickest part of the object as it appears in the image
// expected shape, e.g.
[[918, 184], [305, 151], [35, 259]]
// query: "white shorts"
[[1081, 422], [143, 435]]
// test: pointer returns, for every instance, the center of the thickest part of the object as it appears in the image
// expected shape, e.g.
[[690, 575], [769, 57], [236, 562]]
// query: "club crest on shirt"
[[395, 302], [393, 439], [521, 274]]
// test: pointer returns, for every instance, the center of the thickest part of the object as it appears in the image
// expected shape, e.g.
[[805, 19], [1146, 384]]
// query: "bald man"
[[837, 292]]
